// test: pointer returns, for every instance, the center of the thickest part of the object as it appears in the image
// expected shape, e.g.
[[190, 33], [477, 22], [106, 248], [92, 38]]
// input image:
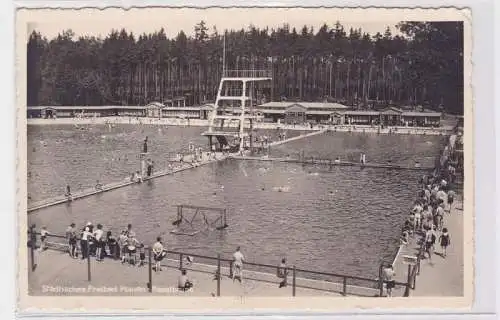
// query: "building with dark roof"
[[282, 112]]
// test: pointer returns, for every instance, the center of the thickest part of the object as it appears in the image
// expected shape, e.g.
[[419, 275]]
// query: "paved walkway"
[[440, 276], [57, 272]]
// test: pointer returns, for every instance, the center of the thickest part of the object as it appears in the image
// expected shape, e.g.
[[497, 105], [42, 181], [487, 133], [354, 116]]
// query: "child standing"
[[142, 255], [429, 237], [43, 238], [388, 279], [283, 273], [444, 240], [122, 243]]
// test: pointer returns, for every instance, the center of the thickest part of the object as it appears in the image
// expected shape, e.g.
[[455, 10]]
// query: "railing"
[[330, 282], [248, 73]]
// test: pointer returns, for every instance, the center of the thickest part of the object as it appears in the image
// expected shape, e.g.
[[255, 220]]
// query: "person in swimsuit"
[[99, 242], [84, 242], [122, 244], [71, 237], [159, 253], [429, 242], [43, 238], [451, 199], [237, 265], [142, 255], [184, 283], [132, 245], [283, 273], [145, 146], [444, 241], [112, 245], [68, 193], [388, 279]]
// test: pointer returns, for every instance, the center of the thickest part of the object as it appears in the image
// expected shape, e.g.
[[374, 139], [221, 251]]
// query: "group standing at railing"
[[91, 241]]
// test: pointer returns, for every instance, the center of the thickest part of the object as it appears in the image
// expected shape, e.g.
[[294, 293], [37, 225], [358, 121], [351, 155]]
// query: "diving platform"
[[253, 74], [238, 89]]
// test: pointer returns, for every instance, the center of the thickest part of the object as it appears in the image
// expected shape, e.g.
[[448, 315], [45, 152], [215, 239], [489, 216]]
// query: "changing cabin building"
[[277, 112], [338, 114], [170, 109]]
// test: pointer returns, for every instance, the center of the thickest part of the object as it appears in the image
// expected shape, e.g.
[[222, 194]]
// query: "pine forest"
[[421, 65]]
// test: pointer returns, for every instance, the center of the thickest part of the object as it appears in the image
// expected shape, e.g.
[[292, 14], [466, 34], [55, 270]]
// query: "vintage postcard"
[[235, 158]]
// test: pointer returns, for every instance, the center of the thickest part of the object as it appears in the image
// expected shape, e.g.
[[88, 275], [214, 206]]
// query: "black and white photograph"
[[246, 153]]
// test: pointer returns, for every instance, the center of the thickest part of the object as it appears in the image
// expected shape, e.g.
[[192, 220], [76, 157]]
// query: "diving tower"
[[233, 115]]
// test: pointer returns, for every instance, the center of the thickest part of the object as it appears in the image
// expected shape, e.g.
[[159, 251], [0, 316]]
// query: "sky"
[[173, 20]]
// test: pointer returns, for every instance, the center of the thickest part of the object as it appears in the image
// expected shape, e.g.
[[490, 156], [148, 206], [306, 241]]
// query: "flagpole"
[[224, 55]]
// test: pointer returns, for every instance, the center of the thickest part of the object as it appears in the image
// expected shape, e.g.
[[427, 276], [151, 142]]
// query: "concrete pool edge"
[[258, 125]]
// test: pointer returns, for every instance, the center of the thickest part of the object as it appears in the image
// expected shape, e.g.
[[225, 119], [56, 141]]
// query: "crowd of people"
[[434, 201], [92, 242], [427, 218]]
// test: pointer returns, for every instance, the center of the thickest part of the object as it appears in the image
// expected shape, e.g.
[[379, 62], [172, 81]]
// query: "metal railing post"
[[89, 277], [418, 264], [408, 282], [414, 273], [181, 257], [380, 281], [218, 275], [344, 287], [32, 246], [150, 271], [293, 280]]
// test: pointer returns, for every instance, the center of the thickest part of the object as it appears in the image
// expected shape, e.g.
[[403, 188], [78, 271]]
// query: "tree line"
[[421, 65]]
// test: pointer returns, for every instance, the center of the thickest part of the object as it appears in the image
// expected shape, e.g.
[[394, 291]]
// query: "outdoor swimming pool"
[[339, 219]]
